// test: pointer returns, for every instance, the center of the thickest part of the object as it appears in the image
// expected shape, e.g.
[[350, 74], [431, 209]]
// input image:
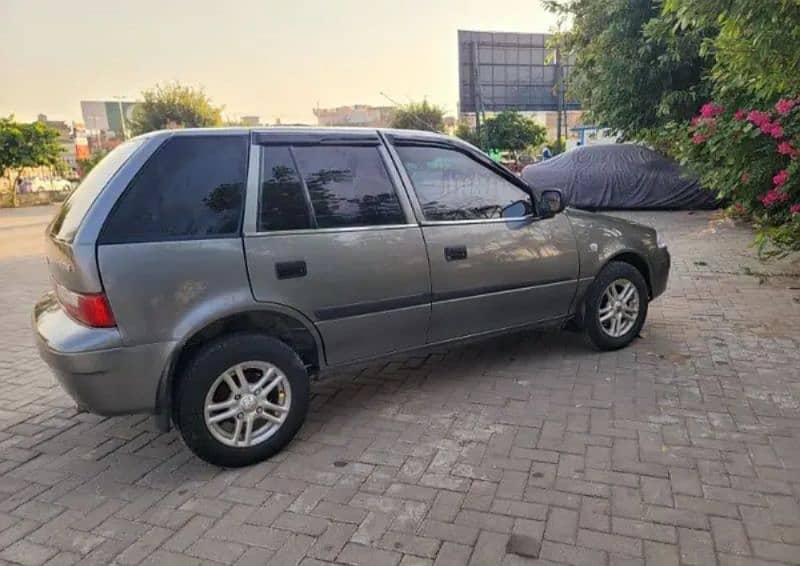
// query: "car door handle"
[[455, 253], [290, 269]]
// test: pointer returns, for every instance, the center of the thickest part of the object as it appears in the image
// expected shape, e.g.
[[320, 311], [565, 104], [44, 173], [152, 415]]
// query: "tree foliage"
[[714, 83], [419, 116], [174, 106], [27, 145], [511, 131], [635, 70]]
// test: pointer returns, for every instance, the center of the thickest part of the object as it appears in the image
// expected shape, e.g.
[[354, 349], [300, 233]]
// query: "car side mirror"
[[550, 202], [517, 209]]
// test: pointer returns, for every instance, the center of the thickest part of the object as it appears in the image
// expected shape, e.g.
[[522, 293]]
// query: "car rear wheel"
[[241, 399], [615, 307]]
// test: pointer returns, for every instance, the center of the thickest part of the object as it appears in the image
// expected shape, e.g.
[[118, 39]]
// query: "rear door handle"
[[290, 269], [455, 253]]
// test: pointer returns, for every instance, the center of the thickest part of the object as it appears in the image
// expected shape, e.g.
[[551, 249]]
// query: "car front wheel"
[[615, 307], [241, 399]]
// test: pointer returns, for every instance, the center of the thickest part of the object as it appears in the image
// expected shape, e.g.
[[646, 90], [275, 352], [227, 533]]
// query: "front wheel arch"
[[637, 261]]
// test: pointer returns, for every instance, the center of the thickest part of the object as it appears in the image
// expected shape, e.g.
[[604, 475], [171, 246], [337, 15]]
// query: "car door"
[[330, 235], [494, 263]]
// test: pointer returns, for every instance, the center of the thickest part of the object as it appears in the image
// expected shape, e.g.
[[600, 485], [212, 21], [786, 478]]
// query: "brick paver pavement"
[[682, 449]]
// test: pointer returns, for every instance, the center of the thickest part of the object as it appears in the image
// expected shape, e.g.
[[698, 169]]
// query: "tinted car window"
[[348, 186], [452, 186], [283, 202], [192, 187], [66, 222]]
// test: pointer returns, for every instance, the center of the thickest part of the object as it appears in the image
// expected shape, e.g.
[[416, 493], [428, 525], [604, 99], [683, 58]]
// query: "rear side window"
[[348, 186], [283, 202], [191, 188], [69, 218], [345, 186]]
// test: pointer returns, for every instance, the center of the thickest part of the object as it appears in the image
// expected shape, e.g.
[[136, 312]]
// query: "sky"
[[271, 58]]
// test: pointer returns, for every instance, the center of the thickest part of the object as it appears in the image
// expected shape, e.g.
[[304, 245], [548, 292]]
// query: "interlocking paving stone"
[[682, 449]]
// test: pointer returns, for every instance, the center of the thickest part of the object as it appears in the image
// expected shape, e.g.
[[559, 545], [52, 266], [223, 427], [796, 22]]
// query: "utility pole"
[[122, 118], [476, 96], [560, 99]]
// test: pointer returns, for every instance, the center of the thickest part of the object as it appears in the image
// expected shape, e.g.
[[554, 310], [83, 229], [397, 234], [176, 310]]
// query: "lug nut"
[[258, 409], [240, 416], [237, 397], [257, 391]]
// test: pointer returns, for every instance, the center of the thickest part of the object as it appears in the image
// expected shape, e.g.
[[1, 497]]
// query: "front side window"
[[348, 186], [192, 187], [452, 186]]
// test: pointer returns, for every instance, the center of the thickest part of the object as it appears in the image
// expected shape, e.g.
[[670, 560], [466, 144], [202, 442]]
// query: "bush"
[[750, 156]]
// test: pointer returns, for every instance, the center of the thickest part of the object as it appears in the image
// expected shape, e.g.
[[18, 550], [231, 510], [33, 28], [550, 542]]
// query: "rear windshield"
[[69, 218]]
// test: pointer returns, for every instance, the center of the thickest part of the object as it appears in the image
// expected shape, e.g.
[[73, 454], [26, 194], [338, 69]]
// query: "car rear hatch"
[[71, 258]]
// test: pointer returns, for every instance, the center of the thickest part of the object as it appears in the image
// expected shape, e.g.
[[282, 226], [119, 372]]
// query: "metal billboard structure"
[[510, 71]]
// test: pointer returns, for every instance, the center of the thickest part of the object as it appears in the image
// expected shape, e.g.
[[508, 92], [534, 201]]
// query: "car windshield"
[[69, 218]]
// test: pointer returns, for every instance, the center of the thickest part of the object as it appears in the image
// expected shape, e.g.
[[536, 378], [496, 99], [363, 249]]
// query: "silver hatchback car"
[[206, 275]]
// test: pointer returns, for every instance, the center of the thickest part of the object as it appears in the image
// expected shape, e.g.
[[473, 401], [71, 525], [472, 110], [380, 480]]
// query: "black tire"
[[613, 271], [202, 371]]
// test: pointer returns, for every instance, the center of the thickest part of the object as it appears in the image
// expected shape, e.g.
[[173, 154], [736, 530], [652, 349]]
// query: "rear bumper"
[[93, 366], [659, 271]]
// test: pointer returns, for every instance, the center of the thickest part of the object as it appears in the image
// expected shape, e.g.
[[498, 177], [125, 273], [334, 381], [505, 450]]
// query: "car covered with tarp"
[[620, 176]]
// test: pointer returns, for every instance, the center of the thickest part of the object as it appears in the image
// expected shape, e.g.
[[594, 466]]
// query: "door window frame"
[[394, 140], [263, 139]]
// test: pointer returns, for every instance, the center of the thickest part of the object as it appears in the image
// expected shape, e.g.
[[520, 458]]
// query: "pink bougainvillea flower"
[[785, 105], [709, 110], [785, 148], [757, 117], [776, 131], [795, 208], [740, 115], [744, 177], [771, 197], [698, 138], [780, 178]]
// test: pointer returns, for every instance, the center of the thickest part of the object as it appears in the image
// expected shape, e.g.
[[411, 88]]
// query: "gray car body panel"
[[368, 292]]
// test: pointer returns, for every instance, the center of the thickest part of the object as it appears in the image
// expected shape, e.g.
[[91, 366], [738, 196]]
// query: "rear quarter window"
[[191, 188], [69, 217]]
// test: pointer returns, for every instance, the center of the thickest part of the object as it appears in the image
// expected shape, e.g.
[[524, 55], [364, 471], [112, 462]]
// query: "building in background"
[[514, 72], [251, 121], [71, 138], [356, 115], [106, 122]]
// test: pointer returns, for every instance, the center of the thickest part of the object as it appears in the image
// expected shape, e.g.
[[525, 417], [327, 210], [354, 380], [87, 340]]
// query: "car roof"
[[335, 130]]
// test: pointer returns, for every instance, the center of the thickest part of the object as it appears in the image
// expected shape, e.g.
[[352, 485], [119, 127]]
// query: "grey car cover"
[[619, 176]]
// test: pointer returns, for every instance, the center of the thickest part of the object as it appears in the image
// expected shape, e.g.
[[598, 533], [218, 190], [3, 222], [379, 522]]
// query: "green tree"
[[511, 131], [636, 69], [27, 145], [745, 142], [174, 105], [419, 116]]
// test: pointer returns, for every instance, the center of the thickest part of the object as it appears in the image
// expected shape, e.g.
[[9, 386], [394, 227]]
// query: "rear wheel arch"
[[300, 335]]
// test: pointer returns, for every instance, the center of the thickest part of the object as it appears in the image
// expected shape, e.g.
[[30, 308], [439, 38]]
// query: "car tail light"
[[91, 309]]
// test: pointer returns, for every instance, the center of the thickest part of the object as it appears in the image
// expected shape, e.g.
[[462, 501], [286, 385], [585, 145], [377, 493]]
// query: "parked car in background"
[[206, 275], [44, 184]]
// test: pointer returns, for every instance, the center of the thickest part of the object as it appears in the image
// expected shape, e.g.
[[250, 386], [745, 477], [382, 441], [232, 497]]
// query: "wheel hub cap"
[[247, 404], [619, 308]]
